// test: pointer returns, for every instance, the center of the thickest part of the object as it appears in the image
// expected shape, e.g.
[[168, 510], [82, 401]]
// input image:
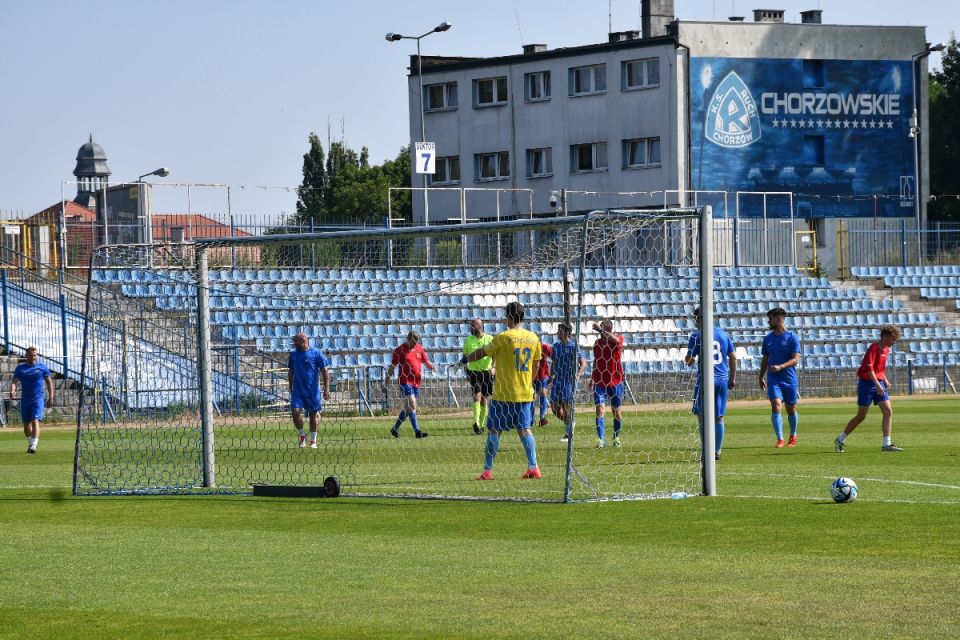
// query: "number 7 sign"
[[426, 157]]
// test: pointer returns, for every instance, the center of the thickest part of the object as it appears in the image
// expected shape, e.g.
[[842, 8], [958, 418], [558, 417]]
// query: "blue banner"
[[833, 132]]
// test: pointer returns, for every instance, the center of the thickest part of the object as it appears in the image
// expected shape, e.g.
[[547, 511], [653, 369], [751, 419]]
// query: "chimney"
[[623, 36], [533, 48], [768, 15], [813, 16], [655, 15]]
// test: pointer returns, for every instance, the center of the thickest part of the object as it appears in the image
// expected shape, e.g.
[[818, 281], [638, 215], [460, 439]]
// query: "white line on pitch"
[[787, 475], [825, 498]]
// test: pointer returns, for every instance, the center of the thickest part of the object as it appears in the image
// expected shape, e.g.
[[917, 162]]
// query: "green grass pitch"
[[772, 557]]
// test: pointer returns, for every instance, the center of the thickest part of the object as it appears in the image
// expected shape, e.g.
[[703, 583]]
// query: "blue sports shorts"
[[539, 385], [409, 390], [785, 391], [561, 392], [505, 416], [867, 393], [30, 411], [312, 405], [601, 393], [719, 399]]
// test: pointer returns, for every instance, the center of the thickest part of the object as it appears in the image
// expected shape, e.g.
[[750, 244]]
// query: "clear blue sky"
[[227, 91]]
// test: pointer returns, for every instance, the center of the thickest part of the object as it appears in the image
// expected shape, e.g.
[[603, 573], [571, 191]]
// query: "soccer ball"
[[843, 490]]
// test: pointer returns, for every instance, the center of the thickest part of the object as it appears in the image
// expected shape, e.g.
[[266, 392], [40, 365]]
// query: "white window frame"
[[449, 97], [648, 145], [447, 163], [497, 83], [542, 78], [501, 160], [644, 65], [546, 154], [597, 74], [598, 157]]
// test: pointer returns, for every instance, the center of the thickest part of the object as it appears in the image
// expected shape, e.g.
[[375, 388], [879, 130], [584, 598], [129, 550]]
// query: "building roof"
[[197, 225], [437, 64], [71, 210], [91, 160]]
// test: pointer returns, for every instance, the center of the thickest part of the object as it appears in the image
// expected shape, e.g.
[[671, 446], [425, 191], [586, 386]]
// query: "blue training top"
[[778, 350], [31, 379], [564, 367], [306, 366], [722, 347]]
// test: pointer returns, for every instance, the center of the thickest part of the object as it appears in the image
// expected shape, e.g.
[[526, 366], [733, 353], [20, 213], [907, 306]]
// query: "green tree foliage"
[[342, 187], [944, 137]]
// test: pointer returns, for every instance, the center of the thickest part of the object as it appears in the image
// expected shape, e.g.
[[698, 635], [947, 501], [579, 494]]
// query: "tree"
[[311, 192], [944, 140]]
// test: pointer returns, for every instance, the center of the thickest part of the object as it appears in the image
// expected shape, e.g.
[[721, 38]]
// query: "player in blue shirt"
[[724, 376], [781, 354], [304, 368], [564, 373], [33, 377]]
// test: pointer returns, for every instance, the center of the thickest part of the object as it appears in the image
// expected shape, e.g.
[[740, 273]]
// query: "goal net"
[[188, 351]]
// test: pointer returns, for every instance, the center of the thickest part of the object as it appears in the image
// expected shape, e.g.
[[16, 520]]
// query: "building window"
[[813, 77], [492, 166], [813, 150], [440, 96], [640, 74], [588, 157], [489, 92], [536, 86], [641, 153], [448, 171], [587, 80], [539, 163]]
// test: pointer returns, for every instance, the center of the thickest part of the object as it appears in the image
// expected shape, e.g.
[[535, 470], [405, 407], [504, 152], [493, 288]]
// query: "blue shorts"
[[785, 391], [312, 405], [30, 411], [539, 385], [601, 393], [719, 399], [867, 393], [409, 390], [561, 392], [505, 416]]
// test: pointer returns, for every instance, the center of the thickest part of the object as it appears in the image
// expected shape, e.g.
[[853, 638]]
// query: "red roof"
[[71, 209], [194, 225]]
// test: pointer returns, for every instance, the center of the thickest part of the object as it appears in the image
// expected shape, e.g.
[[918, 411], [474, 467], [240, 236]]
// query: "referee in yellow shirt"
[[479, 372], [516, 356]]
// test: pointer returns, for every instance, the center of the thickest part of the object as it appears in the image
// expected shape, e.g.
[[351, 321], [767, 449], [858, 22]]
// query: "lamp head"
[[393, 37], [940, 46], [163, 172], [443, 26]]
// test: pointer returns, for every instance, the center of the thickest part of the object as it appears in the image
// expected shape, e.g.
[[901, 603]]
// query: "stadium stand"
[[651, 306]]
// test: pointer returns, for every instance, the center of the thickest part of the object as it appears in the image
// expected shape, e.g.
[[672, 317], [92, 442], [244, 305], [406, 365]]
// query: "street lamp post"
[[394, 37], [914, 134], [147, 214]]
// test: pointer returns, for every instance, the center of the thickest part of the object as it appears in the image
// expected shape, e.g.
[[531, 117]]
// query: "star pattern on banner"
[[831, 123]]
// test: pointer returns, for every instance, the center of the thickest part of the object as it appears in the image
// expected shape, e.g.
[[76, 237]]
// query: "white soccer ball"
[[843, 490]]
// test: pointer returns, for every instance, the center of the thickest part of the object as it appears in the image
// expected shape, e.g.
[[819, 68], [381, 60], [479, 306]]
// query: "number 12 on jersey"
[[521, 358]]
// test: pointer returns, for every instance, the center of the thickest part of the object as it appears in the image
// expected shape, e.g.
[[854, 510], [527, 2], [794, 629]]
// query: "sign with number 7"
[[426, 157]]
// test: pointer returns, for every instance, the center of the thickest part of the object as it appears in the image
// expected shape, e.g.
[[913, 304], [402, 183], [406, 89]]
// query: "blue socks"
[[601, 428], [777, 421], [718, 436], [543, 406], [413, 421], [400, 419], [490, 452], [793, 420], [616, 427], [529, 448]]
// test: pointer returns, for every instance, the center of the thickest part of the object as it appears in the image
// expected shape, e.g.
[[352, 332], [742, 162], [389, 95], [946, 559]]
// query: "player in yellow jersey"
[[516, 356]]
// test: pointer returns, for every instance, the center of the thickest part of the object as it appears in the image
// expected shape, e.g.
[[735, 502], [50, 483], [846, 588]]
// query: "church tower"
[[92, 173]]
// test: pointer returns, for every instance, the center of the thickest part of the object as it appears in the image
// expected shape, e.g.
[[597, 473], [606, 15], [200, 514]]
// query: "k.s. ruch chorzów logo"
[[732, 118]]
